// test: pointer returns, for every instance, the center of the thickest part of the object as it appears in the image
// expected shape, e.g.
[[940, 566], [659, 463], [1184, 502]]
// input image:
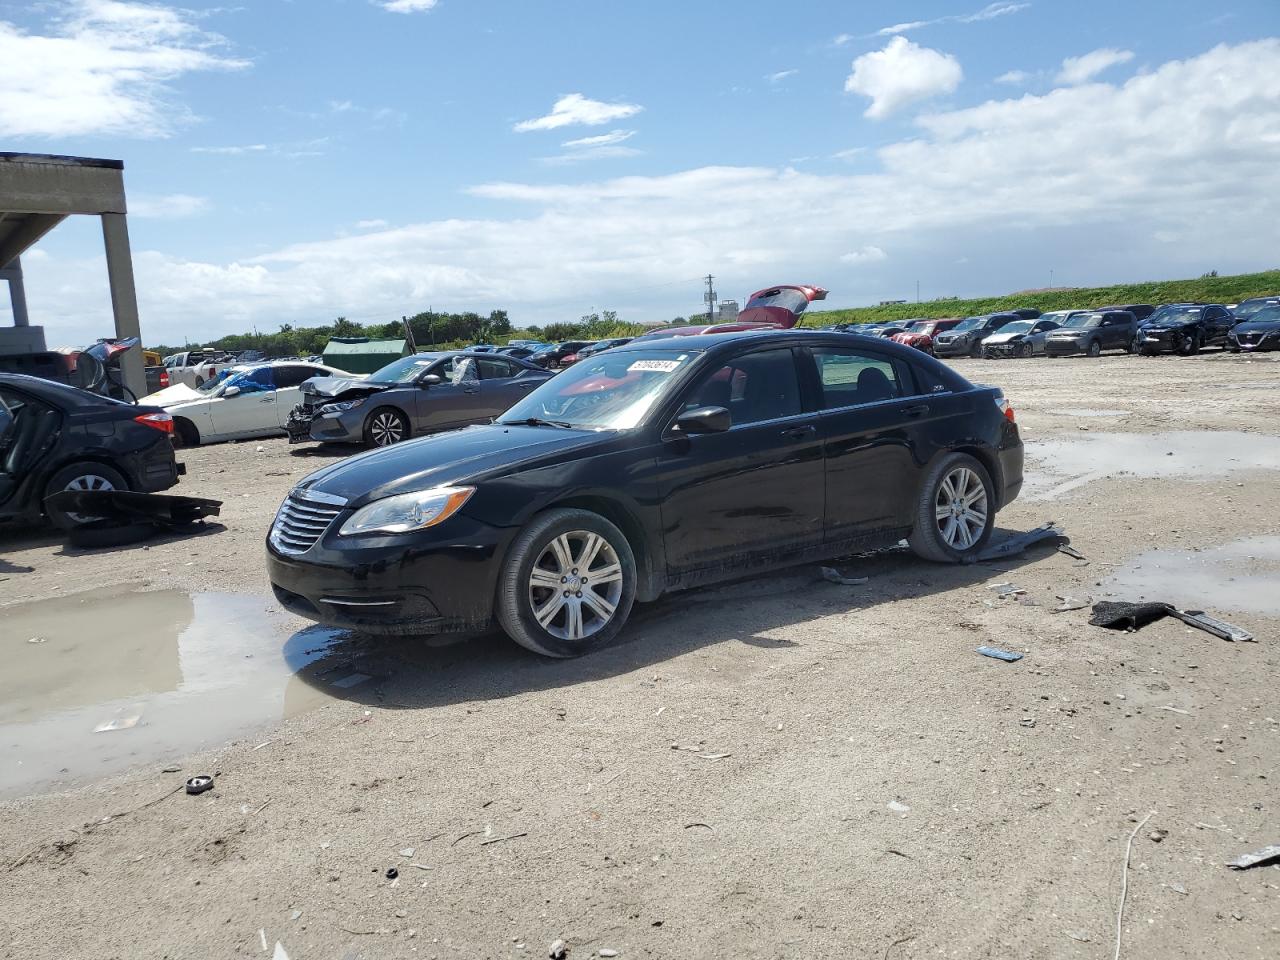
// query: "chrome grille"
[[300, 523]]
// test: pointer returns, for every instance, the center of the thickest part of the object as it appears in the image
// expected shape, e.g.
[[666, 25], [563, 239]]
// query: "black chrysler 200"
[[649, 468]]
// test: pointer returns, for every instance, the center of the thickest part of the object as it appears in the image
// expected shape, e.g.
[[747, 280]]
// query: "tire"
[[549, 544], [976, 350], [1191, 345], [81, 476], [1095, 349], [934, 537], [1133, 346], [384, 427], [185, 433]]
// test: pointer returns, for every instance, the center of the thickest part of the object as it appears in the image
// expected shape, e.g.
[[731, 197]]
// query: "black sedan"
[[1260, 332], [54, 437], [650, 468], [1185, 328]]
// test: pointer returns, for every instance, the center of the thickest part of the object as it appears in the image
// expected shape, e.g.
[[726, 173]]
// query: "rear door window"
[[292, 375], [851, 377], [494, 368]]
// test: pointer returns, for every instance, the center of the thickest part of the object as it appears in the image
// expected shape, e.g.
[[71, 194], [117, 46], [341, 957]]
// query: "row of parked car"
[[1141, 328]]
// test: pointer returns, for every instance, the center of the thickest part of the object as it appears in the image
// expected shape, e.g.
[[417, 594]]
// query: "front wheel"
[[956, 510], [1190, 345], [976, 351], [384, 427], [567, 585], [1095, 349], [1133, 346]]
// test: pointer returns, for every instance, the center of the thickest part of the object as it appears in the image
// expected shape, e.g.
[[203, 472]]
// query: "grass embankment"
[[1208, 289]]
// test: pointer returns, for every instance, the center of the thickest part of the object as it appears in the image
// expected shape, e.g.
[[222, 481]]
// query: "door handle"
[[526, 385], [799, 433], [919, 410]]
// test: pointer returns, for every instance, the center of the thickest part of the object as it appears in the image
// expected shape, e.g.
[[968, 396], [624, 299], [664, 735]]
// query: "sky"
[[291, 162]]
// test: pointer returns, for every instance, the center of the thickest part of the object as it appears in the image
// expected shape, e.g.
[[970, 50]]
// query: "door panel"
[[252, 411], [753, 492], [447, 405]]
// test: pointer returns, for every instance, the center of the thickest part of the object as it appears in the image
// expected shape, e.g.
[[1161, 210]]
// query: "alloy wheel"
[[386, 429], [89, 482], [575, 585], [961, 508]]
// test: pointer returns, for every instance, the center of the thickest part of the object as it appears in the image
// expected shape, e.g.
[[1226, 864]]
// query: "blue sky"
[[290, 162]]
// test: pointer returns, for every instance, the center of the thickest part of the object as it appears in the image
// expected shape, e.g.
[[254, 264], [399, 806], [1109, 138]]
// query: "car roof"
[[53, 391], [722, 342]]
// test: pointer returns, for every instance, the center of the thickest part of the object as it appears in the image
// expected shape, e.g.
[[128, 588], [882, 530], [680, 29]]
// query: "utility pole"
[[917, 291], [710, 297], [1051, 278]]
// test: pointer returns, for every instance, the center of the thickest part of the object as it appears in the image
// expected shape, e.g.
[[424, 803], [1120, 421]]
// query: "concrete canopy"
[[39, 191]]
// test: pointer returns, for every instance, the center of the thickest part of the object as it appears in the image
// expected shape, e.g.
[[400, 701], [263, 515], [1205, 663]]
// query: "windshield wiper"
[[537, 422]]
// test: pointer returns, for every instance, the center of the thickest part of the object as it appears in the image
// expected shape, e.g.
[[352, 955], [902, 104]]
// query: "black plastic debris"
[[1017, 543], [199, 784], [1120, 615], [1258, 858], [116, 517], [392, 873], [832, 575]]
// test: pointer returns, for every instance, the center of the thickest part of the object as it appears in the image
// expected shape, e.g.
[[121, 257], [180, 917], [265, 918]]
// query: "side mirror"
[[231, 392], [704, 420], [431, 380]]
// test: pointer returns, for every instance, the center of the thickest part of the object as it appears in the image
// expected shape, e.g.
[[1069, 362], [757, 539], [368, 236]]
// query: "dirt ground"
[[782, 767]]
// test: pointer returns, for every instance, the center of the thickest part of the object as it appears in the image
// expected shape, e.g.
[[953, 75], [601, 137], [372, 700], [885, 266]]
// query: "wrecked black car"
[[1184, 329], [1260, 332], [55, 437], [410, 397]]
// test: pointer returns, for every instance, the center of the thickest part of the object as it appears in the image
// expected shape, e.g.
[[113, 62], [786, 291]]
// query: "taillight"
[[160, 421], [1007, 409], [164, 379]]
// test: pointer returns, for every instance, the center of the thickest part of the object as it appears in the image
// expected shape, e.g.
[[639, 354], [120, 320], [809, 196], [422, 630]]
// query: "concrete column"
[[17, 292], [124, 298]]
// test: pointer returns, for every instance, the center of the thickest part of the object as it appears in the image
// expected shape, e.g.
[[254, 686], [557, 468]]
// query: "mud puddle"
[[98, 682], [1239, 576], [1058, 465]]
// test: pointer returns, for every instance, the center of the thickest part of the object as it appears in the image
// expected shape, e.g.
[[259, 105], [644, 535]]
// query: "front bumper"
[[1064, 348], [439, 580], [1252, 342], [1160, 341], [344, 427], [952, 348], [1012, 348]]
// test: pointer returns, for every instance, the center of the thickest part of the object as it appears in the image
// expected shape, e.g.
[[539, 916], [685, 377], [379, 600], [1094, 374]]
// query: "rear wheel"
[[567, 585], [185, 433], [81, 476], [956, 510], [384, 427], [1095, 348], [1133, 345]]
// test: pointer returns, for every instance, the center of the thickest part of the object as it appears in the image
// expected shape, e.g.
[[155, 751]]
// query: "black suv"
[[1093, 331], [1185, 328], [54, 437], [965, 339]]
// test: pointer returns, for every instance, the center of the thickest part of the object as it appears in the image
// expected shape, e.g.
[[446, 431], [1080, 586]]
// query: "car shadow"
[[417, 672], [326, 451], [194, 532]]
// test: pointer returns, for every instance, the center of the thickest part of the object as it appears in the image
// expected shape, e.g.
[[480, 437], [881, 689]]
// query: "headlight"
[[408, 511], [344, 405]]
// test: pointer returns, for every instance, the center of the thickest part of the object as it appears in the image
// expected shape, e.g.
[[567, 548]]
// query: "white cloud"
[[173, 206], [1015, 78], [576, 110], [407, 6], [103, 67], [603, 140], [868, 254], [232, 151], [849, 154], [371, 224], [1085, 68], [989, 12], [780, 75], [900, 74], [1013, 185]]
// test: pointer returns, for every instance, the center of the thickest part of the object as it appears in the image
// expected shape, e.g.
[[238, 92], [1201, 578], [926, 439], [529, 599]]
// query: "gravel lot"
[[781, 767]]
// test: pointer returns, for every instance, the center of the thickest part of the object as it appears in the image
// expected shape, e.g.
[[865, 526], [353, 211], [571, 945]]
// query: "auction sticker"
[[655, 366]]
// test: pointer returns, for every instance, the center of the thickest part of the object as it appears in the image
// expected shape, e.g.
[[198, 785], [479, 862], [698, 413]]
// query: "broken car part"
[[1120, 615], [1017, 543], [1008, 656], [1258, 858], [199, 784]]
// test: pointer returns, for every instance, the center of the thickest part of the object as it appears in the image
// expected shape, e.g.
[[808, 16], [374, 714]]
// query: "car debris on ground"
[[1008, 656], [1258, 858], [1130, 617], [116, 517], [1017, 543]]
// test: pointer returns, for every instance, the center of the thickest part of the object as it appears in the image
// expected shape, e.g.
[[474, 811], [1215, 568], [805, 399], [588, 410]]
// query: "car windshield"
[[1266, 315], [921, 326], [971, 323], [1084, 320], [1249, 310], [404, 370], [1017, 326], [1173, 315], [612, 390], [215, 386], [1057, 316]]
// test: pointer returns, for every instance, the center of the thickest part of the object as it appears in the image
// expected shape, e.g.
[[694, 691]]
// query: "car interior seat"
[[873, 385]]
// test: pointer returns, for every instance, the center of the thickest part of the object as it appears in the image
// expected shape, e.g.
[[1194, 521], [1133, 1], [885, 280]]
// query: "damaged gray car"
[[413, 396]]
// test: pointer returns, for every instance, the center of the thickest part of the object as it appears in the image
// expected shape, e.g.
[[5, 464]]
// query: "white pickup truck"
[[193, 367]]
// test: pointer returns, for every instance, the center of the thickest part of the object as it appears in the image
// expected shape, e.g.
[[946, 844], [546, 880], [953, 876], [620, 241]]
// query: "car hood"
[[954, 335], [459, 456], [1006, 337], [909, 336], [330, 388], [1257, 326], [178, 393], [1072, 333]]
